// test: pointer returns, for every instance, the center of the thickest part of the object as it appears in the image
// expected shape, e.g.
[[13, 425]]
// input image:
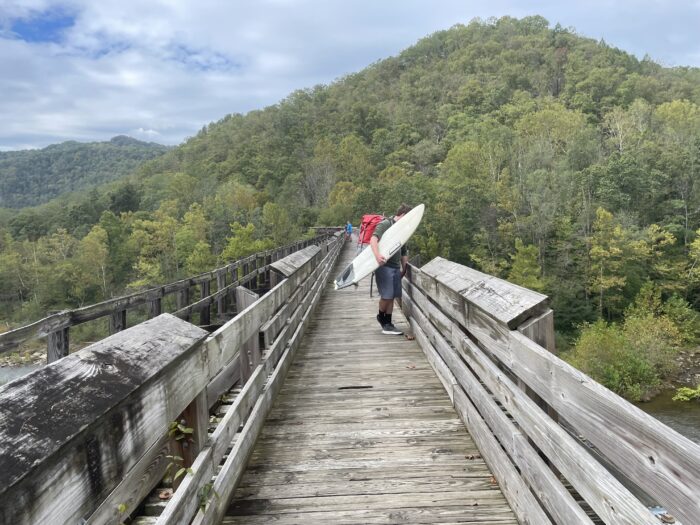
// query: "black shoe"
[[390, 329]]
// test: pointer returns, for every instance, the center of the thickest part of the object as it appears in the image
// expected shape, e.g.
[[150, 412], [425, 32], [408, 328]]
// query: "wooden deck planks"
[[364, 432]]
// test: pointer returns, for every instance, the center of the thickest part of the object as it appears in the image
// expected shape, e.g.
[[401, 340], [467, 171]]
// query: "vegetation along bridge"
[[289, 406]]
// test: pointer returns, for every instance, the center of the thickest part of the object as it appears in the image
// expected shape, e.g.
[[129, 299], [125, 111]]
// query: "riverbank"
[[33, 356]]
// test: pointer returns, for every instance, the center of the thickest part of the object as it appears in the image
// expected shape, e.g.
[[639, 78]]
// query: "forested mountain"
[[543, 157], [31, 177]]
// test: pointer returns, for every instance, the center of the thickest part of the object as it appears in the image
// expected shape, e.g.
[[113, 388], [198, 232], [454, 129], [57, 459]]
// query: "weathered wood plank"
[[521, 500], [223, 381], [58, 345], [321, 440], [607, 496], [249, 354], [135, 485], [661, 461], [504, 302], [501, 515], [70, 431], [550, 491], [185, 502]]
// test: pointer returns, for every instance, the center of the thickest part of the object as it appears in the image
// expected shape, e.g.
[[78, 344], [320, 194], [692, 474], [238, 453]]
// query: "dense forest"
[[550, 159], [32, 177]]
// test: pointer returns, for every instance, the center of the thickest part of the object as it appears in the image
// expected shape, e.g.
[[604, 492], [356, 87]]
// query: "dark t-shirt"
[[395, 260]]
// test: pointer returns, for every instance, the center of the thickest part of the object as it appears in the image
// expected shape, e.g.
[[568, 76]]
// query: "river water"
[[683, 417], [8, 373]]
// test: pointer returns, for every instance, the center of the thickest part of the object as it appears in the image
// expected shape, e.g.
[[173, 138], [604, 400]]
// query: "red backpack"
[[367, 227]]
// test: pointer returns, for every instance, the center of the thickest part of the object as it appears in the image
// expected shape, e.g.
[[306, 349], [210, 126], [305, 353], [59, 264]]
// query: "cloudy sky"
[[161, 69]]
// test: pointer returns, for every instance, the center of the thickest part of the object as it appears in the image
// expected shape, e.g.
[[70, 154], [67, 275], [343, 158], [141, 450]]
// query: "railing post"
[[221, 300], [183, 299], [117, 322], [58, 345], [245, 268], [250, 353], [204, 313], [155, 308]]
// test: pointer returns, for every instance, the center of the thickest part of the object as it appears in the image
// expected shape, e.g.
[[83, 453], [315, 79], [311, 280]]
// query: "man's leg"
[[387, 290], [386, 306]]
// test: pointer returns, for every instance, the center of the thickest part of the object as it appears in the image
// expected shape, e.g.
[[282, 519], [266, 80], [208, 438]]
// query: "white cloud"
[[164, 68]]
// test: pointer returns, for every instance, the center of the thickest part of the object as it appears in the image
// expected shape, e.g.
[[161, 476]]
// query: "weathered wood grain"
[[505, 302], [661, 461], [70, 431], [521, 500], [58, 345], [607, 496], [249, 354], [185, 501], [536, 473], [135, 485]]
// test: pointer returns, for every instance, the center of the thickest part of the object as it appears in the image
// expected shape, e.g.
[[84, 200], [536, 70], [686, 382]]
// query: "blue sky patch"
[[47, 26]]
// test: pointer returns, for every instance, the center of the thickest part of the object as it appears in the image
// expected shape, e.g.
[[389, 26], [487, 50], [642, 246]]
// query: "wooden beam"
[[205, 310], [71, 431], [155, 308], [665, 464], [117, 322], [534, 471], [521, 500], [504, 302], [607, 496], [221, 300], [58, 345], [249, 355], [182, 300]]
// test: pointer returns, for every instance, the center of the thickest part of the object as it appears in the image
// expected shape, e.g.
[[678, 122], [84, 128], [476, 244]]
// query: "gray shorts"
[[388, 282]]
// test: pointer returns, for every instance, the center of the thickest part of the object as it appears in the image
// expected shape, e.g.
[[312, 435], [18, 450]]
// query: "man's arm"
[[404, 264], [374, 245]]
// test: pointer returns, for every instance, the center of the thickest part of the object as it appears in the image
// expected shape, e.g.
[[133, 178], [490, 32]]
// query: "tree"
[[92, 259], [525, 269], [277, 224], [241, 243], [607, 248]]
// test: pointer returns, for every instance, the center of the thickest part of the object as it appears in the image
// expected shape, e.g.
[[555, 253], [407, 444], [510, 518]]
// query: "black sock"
[[388, 318], [381, 316]]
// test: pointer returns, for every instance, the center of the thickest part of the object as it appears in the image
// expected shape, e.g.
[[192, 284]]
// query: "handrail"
[[85, 439], [483, 337], [56, 326]]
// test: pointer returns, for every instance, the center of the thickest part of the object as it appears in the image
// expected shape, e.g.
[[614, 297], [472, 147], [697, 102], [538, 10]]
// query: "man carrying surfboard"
[[389, 273]]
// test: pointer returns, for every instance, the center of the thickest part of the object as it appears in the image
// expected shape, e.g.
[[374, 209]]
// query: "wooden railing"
[[56, 327], [541, 425], [85, 439]]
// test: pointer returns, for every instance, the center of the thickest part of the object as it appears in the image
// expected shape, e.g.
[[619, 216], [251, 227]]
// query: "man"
[[389, 273], [348, 230]]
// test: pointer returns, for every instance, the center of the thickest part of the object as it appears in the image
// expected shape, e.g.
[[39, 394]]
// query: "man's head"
[[403, 210]]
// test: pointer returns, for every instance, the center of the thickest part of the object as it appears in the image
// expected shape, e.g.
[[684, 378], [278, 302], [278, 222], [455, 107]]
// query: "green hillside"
[[32, 177], [543, 157]]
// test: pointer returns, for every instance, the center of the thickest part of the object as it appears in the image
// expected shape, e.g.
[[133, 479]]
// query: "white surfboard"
[[391, 242]]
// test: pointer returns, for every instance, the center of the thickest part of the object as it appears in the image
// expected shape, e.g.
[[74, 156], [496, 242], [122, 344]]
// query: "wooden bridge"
[[297, 410]]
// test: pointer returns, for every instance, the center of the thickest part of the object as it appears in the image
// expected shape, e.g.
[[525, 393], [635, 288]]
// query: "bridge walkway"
[[364, 432]]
